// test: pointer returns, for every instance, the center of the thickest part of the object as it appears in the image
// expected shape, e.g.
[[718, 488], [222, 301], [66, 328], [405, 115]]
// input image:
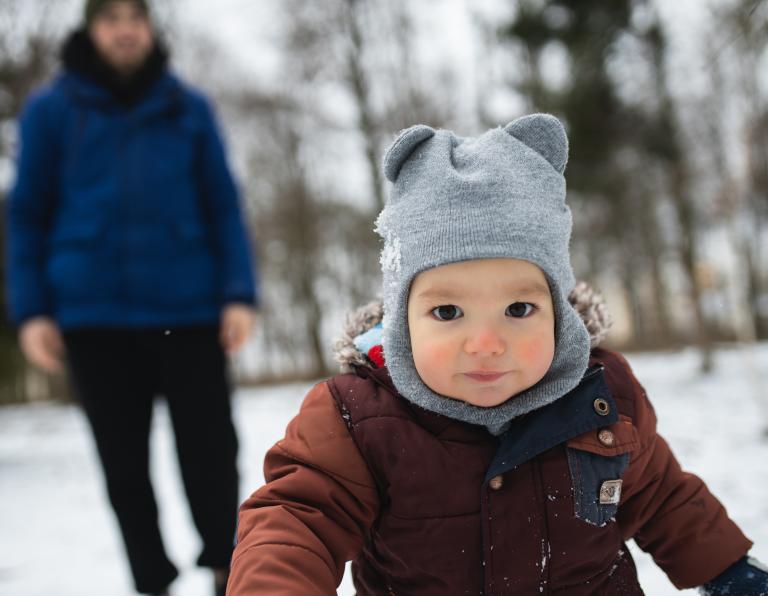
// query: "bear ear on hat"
[[544, 134], [401, 149]]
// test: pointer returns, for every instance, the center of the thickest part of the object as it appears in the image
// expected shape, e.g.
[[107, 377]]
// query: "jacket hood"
[[588, 303]]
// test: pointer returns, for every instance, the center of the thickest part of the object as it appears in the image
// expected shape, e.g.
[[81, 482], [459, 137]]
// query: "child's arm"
[[296, 533], [670, 513]]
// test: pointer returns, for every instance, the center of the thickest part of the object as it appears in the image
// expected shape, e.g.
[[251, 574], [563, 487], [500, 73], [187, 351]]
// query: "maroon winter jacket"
[[427, 505]]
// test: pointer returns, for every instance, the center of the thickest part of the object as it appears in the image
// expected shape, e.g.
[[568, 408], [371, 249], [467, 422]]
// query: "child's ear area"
[[399, 152], [544, 134]]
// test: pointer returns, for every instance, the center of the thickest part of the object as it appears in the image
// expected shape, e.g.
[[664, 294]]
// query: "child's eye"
[[520, 310], [447, 312]]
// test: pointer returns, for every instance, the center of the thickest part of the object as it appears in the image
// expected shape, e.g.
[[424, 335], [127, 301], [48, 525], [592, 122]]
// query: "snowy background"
[[57, 535], [270, 82]]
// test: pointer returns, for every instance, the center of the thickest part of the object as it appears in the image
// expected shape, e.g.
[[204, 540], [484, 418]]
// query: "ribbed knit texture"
[[454, 199]]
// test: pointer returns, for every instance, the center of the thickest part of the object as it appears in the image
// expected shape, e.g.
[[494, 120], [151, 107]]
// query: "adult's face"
[[122, 34]]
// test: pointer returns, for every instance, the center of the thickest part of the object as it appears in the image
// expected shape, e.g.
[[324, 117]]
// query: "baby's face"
[[483, 330]]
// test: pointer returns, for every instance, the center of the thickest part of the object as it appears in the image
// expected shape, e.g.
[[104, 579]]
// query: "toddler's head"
[[477, 324]]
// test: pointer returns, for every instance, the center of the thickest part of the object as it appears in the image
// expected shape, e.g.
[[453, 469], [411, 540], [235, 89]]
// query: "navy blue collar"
[[166, 94], [568, 417]]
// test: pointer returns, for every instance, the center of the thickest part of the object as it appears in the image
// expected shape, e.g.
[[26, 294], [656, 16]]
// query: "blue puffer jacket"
[[124, 217]]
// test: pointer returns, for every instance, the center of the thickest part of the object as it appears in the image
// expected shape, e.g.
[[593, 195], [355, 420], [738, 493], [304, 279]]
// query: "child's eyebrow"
[[533, 287], [438, 294], [526, 289]]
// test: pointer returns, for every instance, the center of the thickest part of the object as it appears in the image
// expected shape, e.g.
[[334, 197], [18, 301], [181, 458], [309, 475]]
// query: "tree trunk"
[[663, 332], [689, 258], [366, 119]]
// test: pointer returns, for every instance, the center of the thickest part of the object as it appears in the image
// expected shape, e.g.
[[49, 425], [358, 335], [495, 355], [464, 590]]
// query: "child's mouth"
[[484, 375]]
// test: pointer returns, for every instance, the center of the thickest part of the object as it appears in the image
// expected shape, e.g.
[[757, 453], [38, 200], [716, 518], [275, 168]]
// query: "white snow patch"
[[58, 535], [390, 254]]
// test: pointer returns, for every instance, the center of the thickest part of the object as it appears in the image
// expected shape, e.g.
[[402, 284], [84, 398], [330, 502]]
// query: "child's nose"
[[485, 341]]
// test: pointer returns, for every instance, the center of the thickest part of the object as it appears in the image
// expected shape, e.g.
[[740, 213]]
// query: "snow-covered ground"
[[57, 535]]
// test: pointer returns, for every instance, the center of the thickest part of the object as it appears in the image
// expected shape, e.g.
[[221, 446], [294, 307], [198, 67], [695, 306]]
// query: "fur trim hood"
[[587, 302]]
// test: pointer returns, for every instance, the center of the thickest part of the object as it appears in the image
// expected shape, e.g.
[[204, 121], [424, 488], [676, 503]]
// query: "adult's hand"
[[237, 322], [41, 343]]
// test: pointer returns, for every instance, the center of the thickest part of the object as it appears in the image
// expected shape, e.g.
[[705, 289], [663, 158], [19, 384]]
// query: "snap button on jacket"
[[606, 437], [426, 505]]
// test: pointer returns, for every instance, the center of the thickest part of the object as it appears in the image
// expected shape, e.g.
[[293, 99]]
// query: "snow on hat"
[[453, 199]]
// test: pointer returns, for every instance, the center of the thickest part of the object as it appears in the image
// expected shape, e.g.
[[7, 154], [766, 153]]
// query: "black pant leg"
[[116, 391], [195, 383]]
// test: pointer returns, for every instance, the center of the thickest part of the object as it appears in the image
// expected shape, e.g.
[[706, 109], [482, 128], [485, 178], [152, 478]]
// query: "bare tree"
[[747, 26], [673, 156], [27, 58], [615, 183], [317, 246]]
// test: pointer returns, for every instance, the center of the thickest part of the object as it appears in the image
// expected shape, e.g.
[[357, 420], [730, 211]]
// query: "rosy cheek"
[[437, 352], [430, 360], [534, 351]]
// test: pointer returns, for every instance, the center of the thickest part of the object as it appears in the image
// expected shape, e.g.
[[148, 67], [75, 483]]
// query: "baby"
[[480, 442]]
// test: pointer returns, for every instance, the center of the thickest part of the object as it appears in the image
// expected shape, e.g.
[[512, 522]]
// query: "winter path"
[[57, 535]]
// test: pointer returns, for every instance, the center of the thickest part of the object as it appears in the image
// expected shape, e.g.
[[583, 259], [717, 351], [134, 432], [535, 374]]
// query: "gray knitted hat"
[[454, 199]]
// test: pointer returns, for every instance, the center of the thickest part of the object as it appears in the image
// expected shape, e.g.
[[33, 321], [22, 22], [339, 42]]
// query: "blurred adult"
[[129, 264]]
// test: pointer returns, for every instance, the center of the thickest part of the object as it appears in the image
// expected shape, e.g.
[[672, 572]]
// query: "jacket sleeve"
[[221, 203], [296, 533], [670, 513], [31, 209]]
